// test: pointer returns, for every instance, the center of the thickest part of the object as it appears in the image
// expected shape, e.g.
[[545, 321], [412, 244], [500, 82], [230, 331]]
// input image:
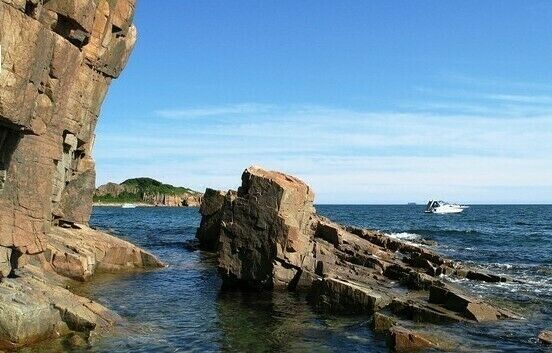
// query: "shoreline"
[[120, 204]]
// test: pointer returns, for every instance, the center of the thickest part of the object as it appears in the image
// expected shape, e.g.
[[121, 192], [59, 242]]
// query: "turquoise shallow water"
[[180, 308]]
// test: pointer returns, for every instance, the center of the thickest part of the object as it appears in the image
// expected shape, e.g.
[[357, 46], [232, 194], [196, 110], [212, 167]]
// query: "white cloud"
[[199, 112], [347, 155]]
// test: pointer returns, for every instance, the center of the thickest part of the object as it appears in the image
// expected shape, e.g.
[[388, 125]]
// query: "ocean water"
[[180, 308]]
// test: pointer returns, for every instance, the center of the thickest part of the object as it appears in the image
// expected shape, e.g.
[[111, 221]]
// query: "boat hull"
[[446, 210]]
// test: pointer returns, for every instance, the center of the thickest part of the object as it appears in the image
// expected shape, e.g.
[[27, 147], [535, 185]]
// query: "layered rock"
[[268, 236], [36, 307], [58, 59]]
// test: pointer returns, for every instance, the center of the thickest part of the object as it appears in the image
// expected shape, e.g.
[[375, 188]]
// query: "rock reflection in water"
[[283, 322]]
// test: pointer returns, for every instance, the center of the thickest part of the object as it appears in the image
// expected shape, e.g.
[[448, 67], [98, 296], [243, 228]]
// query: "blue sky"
[[367, 101]]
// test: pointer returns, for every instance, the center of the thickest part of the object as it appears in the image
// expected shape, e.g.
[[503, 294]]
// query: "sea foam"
[[405, 235]]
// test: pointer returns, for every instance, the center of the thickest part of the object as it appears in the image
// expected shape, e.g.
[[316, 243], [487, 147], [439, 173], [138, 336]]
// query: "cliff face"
[[58, 59]]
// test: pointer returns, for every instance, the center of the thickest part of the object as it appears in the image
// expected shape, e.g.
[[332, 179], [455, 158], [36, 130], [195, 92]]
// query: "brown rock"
[[419, 311], [468, 307], [335, 295], [50, 98], [79, 253], [545, 337], [270, 237], [268, 220], [35, 307], [58, 59], [381, 322], [211, 210], [404, 340]]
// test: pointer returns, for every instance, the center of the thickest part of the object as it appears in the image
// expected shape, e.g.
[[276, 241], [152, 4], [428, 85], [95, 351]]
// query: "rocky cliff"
[[146, 191], [269, 237], [58, 59]]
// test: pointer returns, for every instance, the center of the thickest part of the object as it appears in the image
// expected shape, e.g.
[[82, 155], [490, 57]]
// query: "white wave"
[[405, 235]]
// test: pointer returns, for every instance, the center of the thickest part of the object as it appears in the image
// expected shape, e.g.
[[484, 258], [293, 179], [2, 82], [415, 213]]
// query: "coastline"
[[140, 204]]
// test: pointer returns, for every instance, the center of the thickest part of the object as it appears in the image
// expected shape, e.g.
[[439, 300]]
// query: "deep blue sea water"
[[180, 308]]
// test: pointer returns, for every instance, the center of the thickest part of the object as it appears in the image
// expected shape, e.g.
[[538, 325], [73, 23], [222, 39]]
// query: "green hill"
[[141, 190]]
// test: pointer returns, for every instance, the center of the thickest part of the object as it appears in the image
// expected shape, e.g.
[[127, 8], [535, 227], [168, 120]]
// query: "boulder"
[[267, 224], [35, 308], [468, 307], [382, 322], [335, 295], [545, 337], [405, 340], [78, 253]]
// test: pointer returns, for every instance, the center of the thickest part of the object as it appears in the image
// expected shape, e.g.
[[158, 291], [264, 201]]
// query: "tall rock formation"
[[58, 58], [268, 236]]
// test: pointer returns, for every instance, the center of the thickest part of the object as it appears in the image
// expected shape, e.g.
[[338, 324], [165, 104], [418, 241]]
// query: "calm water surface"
[[180, 308]]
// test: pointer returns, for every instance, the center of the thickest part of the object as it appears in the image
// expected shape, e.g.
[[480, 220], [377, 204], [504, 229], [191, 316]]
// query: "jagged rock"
[[211, 210], [545, 337], [269, 237], [50, 97], [381, 322], [266, 225], [468, 307], [335, 295], [405, 340]]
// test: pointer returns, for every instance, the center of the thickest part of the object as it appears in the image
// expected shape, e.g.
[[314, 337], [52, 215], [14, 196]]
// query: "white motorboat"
[[442, 207], [128, 205]]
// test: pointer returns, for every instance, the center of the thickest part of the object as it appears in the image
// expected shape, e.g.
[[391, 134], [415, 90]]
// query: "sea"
[[181, 308]]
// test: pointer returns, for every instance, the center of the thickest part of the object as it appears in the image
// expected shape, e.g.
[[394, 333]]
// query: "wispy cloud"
[[478, 141], [226, 110]]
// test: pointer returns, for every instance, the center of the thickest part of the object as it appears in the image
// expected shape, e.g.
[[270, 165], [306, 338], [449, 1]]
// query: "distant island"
[[146, 192]]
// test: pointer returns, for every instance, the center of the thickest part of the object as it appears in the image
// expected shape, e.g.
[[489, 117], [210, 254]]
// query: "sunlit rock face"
[[58, 59]]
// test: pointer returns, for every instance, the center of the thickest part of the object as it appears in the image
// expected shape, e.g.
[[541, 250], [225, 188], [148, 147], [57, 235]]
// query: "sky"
[[369, 102]]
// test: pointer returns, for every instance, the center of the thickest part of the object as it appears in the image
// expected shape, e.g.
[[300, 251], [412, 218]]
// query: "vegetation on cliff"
[[146, 190]]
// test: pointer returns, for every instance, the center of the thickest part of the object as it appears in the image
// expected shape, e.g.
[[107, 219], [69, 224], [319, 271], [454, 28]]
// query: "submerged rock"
[[268, 236]]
